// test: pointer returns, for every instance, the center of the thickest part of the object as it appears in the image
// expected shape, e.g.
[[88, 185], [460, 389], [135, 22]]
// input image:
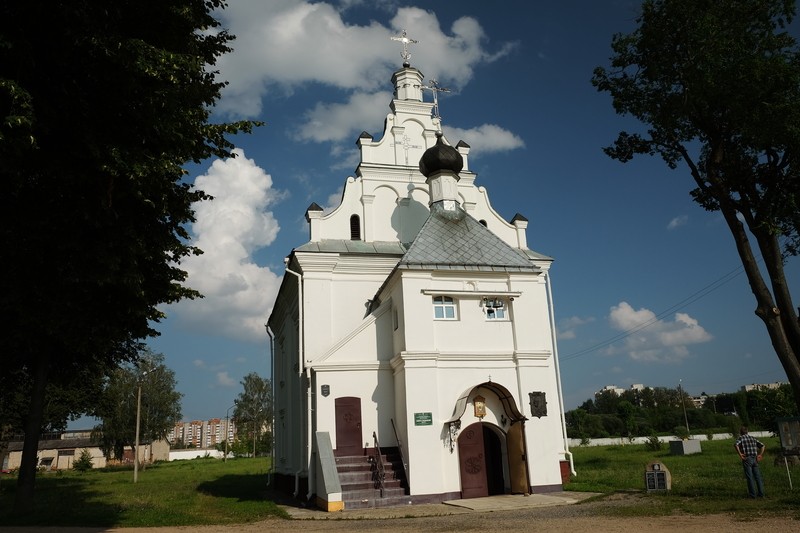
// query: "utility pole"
[[138, 420]]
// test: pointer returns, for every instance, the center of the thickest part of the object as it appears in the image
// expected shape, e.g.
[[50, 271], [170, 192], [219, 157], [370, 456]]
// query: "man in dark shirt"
[[751, 452]]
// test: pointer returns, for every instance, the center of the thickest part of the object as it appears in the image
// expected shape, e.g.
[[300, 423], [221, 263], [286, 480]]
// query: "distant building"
[[203, 433], [757, 386]]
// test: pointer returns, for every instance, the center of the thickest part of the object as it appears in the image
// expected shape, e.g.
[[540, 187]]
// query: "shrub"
[[653, 443], [681, 432], [84, 462]]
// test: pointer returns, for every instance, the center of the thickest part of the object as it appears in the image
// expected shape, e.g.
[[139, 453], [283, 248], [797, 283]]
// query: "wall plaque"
[[423, 419], [326, 390], [538, 404]]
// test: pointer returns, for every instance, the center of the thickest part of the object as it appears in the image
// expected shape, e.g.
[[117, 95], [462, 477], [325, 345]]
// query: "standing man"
[[751, 451]]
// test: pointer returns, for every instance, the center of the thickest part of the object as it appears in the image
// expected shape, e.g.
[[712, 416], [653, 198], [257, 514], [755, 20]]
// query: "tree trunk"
[[767, 309], [26, 480]]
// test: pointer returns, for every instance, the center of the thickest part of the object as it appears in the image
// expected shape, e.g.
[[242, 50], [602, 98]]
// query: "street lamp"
[[227, 431], [138, 420]]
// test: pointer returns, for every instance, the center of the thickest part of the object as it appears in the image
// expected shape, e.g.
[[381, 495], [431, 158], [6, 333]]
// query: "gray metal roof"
[[355, 247], [453, 240]]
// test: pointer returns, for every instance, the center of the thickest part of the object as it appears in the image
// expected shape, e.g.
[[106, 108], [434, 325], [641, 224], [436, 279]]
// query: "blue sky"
[[630, 246]]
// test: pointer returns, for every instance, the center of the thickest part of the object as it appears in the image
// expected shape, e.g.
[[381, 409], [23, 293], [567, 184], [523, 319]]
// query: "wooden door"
[[348, 426], [517, 465], [472, 462]]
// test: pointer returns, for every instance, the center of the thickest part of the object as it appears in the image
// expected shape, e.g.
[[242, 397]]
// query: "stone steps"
[[360, 489]]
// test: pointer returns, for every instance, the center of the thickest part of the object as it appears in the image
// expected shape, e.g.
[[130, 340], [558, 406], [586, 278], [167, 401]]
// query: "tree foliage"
[[717, 83], [253, 410], [101, 105], [116, 406], [639, 415]]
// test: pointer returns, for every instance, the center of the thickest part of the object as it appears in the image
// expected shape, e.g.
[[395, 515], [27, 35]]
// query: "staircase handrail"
[[380, 474], [402, 455]]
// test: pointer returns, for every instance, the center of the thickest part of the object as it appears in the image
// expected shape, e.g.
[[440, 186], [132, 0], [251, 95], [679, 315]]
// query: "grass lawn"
[[704, 483], [210, 491], [195, 492]]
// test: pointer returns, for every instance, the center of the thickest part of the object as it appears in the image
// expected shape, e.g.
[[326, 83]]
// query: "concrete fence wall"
[[622, 441]]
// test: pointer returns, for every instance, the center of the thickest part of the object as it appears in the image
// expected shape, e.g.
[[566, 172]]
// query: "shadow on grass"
[[242, 487], [59, 502]]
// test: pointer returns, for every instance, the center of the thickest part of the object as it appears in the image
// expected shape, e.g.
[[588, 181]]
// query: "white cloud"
[[567, 326], [225, 380], [483, 139], [229, 229], [651, 339], [678, 222], [283, 44], [343, 122]]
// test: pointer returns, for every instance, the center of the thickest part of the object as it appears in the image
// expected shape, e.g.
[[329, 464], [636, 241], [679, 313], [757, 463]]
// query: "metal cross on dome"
[[403, 38], [436, 89]]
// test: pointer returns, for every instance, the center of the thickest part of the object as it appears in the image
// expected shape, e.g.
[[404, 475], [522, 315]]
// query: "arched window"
[[484, 223], [355, 228]]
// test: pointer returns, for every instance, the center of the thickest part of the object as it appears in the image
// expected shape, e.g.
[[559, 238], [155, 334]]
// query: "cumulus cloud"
[[567, 327], [344, 121], [283, 44], [225, 380], [484, 139], [650, 339], [229, 229], [678, 222]]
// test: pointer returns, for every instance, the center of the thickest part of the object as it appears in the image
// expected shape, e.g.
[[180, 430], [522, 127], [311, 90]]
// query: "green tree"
[[717, 83], [253, 409], [101, 105], [116, 407], [83, 462], [605, 402]]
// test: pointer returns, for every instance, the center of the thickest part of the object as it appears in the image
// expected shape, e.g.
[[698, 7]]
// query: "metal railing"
[[402, 455], [379, 474]]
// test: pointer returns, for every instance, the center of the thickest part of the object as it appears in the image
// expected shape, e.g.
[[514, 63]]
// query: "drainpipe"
[[558, 375], [300, 354], [272, 422], [309, 449]]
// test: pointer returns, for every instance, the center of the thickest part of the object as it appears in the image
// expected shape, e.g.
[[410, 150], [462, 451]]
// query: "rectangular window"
[[444, 308]]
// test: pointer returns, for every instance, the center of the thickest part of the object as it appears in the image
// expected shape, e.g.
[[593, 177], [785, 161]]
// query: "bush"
[[653, 443], [681, 432], [84, 462]]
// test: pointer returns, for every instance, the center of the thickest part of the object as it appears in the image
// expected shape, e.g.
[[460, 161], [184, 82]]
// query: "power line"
[[705, 291]]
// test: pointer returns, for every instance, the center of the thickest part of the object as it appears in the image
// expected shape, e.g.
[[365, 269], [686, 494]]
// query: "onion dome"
[[440, 157]]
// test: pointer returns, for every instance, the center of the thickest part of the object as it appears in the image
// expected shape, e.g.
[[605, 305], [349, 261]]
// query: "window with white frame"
[[494, 309], [444, 308]]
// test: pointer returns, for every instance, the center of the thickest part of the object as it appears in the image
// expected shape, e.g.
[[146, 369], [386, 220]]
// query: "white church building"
[[413, 339]]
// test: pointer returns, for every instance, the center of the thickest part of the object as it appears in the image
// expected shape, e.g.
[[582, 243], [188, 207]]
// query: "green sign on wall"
[[423, 419]]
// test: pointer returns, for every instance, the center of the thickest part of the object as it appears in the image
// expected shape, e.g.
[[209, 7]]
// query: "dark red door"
[[472, 462], [348, 426]]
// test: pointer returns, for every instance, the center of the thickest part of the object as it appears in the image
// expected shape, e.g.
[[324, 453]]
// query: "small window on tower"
[[355, 228], [444, 308]]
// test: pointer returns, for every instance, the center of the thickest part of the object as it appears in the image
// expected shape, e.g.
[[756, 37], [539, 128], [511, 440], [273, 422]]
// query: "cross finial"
[[436, 89], [403, 38]]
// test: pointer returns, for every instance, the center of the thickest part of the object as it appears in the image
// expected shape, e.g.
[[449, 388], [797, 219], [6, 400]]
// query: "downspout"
[[311, 467], [300, 354], [558, 374], [272, 422]]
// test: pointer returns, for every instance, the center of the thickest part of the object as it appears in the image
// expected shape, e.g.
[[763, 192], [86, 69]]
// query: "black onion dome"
[[440, 157]]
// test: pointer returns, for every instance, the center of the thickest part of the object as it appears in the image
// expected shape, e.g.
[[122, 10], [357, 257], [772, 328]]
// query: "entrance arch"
[[492, 460]]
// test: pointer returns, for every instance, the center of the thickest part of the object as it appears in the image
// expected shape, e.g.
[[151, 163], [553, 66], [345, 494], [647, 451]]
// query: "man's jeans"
[[753, 474]]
